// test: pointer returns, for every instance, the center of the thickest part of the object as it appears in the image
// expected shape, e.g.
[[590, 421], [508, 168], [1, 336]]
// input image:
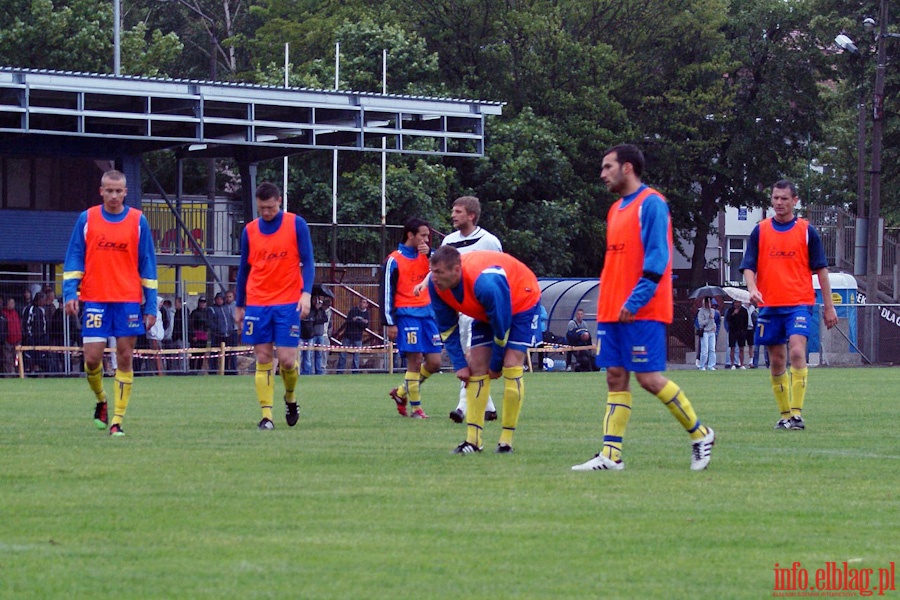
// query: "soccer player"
[[503, 298], [467, 236], [780, 283], [411, 315], [634, 307], [111, 258], [274, 287]]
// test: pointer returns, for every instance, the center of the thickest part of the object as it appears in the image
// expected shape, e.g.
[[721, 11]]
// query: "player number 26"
[[93, 321]]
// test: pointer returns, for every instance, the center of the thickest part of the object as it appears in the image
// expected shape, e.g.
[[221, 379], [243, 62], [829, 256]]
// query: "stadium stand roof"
[[81, 113]]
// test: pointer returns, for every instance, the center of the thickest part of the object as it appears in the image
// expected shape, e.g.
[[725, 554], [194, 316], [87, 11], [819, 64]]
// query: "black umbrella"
[[708, 291], [318, 290]]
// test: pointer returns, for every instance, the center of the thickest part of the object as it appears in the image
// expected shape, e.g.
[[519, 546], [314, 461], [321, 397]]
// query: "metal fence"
[[866, 334], [216, 229]]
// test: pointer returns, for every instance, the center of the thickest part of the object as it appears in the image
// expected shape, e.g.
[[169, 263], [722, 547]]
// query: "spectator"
[[13, 336], [737, 319], [4, 333], [218, 330], [63, 332], [707, 320], [353, 330], [199, 332], [232, 335], [155, 335], [580, 360], [575, 336], [312, 333], [35, 334]]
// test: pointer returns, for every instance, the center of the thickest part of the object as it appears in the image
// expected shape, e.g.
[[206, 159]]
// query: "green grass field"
[[356, 502]]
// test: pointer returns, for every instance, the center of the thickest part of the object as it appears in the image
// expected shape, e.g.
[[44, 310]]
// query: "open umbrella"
[[708, 291], [738, 294], [319, 290]]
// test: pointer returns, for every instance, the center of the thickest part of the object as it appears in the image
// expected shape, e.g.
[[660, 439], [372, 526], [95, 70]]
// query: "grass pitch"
[[356, 502]]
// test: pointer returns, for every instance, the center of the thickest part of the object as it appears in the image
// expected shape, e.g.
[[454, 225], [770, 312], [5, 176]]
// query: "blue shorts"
[[523, 333], [418, 334], [267, 324], [775, 329], [111, 319], [638, 346]]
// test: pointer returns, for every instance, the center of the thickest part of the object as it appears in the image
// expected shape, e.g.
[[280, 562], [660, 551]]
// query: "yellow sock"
[[265, 388], [289, 377], [411, 383], [513, 394], [680, 407], [477, 393], [618, 411], [798, 389], [423, 375], [782, 394], [95, 380], [122, 394]]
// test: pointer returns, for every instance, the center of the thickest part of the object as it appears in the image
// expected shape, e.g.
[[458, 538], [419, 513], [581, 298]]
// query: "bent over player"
[[502, 295], [112, 259], [634, 307], [409, 317], [274, 288]]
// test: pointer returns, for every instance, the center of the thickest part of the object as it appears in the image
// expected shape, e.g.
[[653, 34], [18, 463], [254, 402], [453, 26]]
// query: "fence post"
[[221, 358]]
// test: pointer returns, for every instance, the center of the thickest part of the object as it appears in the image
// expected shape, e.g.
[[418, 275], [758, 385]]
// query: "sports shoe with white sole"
[[796, 422], [783, 424], [266, 425], [466, 448], [504, 449], [600, 463], [701, 451]]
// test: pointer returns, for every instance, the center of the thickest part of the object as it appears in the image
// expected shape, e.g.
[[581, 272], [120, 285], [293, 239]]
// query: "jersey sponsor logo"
[[272, 255], [615, 247], [105, 244], [775, 253]]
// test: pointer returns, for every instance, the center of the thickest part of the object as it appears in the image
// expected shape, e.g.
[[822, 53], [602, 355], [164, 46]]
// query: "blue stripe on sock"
[[612, 438]]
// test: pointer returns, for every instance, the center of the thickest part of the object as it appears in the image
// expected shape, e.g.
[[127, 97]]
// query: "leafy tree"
[[77, 35]]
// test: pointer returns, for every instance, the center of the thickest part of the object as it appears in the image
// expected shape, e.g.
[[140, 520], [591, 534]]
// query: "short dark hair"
[[782, 184], [629, 153], [446, 255], [113, 175], [412, 225], [267, 191]]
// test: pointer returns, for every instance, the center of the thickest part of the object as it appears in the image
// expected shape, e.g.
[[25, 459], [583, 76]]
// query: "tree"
[[78, 36]]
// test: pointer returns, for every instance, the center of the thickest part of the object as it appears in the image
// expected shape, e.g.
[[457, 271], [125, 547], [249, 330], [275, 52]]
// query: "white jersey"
[[479, 239]]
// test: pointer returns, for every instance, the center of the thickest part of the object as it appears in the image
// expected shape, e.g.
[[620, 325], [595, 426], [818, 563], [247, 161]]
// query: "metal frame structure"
[[77, 112]]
